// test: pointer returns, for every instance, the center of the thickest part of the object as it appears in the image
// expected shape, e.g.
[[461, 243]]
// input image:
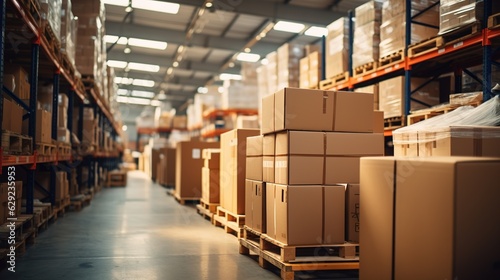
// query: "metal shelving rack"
[[61, 78]]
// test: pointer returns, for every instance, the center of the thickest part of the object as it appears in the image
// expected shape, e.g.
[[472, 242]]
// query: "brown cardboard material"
[[378, 122], [43, 126], [255, 145], [170, 164], [248, 203], [188, 168], [16, 118], [62, 116], [210, 185], [211, 158], [233, 167], [6, 114], [298, 215], [254, 159], [462, 190], [303, 109], [271, 210], [352, 213], [353, 112], [267, 114], [255, 205], [21, 81], [269, 146], [334, 214], [299, 157]]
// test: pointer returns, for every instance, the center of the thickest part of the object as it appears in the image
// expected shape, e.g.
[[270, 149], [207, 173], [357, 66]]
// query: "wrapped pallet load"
[[367, 33]]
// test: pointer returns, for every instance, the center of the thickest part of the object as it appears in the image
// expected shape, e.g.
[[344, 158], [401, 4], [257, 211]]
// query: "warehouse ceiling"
[[203, 39]]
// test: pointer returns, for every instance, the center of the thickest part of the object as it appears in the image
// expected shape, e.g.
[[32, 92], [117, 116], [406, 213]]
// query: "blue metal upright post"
[[323, 71], [487, 54], [407, 92], [350, 14], [35, 53]]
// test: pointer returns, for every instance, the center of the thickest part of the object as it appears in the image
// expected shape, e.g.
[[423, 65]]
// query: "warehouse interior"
[[218, 139]]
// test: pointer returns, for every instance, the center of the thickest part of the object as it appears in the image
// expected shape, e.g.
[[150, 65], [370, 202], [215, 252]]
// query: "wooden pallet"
[[391, 59], [456, 36], [231, 223], [269, 259], [16, 144], [331, 82], [24, 231], [117, 179], [184, 200], [63, 149], [425, 114], [426, 46], [207, 210], [494, 21], [394, 122], [41, 216], [52, 40], [45, 149], [365, 69]]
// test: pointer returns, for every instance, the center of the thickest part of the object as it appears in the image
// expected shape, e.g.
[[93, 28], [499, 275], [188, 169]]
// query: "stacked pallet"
[[366, 42], [336, 52], [210, 189], [310, 68]]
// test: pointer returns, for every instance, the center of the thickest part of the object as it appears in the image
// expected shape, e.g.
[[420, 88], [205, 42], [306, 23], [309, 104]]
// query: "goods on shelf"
[[254, 156], [466, 131], [367, 33], [237, 94], [44, 180], [470, 84], [460, 195], [337, 45], [393, 30], [62, 119], [371, 89], [272, 72], [233, 166], [392, 95], [288, 56], [210, 187], [248, 72], [310, 70], [69, 27], [43, 126], [202, 102], [179, 122], [12, 117], [466, 98], [50, 11], [454, 14], [16, 79]]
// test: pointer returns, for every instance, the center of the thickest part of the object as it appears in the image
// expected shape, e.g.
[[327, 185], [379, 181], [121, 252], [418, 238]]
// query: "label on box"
[[281, 164], [268, 163], [196, 153]]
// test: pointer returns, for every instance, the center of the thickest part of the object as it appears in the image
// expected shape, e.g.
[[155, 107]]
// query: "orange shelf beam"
[[210, 113], [214, 133], [379, 73]]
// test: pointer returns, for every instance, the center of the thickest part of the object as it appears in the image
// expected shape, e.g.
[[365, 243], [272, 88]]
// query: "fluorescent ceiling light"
[[227, 76], [122, 91], [143, 67], [123, 80], [122, 99], [133, 100], [145, 94], [156, 6], [143, 83], [249, 57], [264, 61], [316, 31], [202, 90], [220, 89], [124, 127], [288, 26], [116, 63], [136, 42], [156, 103]]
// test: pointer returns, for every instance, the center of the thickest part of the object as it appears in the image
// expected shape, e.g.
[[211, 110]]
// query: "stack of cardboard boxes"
[[393, 30], [310, 68], [61, 185], [288, 64], [233, 169], [336, 48], [239, 94], [63, 133], [210, 177], [367, 33], [4, 199], [89, 133], [163, 166], [50, 12], [69, 27], [454, 14], [311, 141]]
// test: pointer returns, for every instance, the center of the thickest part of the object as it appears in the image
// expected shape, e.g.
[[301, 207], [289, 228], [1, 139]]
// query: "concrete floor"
[[139, 232]]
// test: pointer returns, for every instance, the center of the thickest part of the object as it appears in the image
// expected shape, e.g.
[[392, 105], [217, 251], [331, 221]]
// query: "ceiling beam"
[[177, 37], [272, 10]]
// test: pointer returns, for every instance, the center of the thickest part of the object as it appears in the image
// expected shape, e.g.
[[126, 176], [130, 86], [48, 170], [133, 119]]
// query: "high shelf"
[[26, 42]]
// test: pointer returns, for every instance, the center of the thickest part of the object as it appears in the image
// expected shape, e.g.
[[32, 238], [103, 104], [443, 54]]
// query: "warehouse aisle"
[[137, 232]]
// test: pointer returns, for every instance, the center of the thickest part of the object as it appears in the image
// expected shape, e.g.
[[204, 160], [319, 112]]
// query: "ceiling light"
[[124, 127], [264, 61], [123, 80], [258, 37], [122, 99], [249, 57], [122, 92], [220, 89], [144, 67], [156, 103], [111, 39], [138, 101], [227, 76], [170, 70], [202, 90], [316, 31], [128, 9], [288, 26], [116, 63], [208, 4], [147, 43], [156, 6], [143, 83], [247, 50], [175, 64], [162, 95], [262, 34], [231, 64], [145, 94], [127, 50]]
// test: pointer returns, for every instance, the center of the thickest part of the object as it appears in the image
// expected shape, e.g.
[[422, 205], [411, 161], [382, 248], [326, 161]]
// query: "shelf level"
[[214, 133], [211, 113]]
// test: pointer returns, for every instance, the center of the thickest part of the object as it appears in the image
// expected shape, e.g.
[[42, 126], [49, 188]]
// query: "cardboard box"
[[169, 164], [267, 114], [268, 149], [211, 158], [352, 213], [233, 167], [63, 100], [255, 205], [43, 126], [63, 135], [210, 185], [62, 116], [343, 151], [188, 168], [254, 158], [61, 187], [378, 122], [460, 195], [271, 210], [334, 214], [299, 214], [21, 81], [299, 157], [6, 114]]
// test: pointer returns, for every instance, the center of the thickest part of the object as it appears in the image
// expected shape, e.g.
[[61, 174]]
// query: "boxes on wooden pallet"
[[367, 33], [454, 14], [352, 206], [50, 11], [255, 205], [211, 176], [43, 126], [460, 195], [391, 95], [12, 117], [254, 154], [63, 135], [305, 215], [337, 44], [268, 154], [232, 169], [168, 166], [188, 168], [17, 80], [272, 72], [288, 64], [236, 94], [69, 27], [371, 89], [179, 122]]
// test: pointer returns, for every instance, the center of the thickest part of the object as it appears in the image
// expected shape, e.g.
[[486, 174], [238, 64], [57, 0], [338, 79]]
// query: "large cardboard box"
[[16, 118], [254, 158], [271, 210], [62, 116], [454, 197], [188, 168], [334, 214], [336, 47], [21, 81], [61, 185], [268, 149], [267, 114], [43, 126], [232, 169], [169, 164], [299, 214], [343, 151], [211, 158], [255, 205], [6, 114], [210, 185], [299, 157], [352, 213]]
